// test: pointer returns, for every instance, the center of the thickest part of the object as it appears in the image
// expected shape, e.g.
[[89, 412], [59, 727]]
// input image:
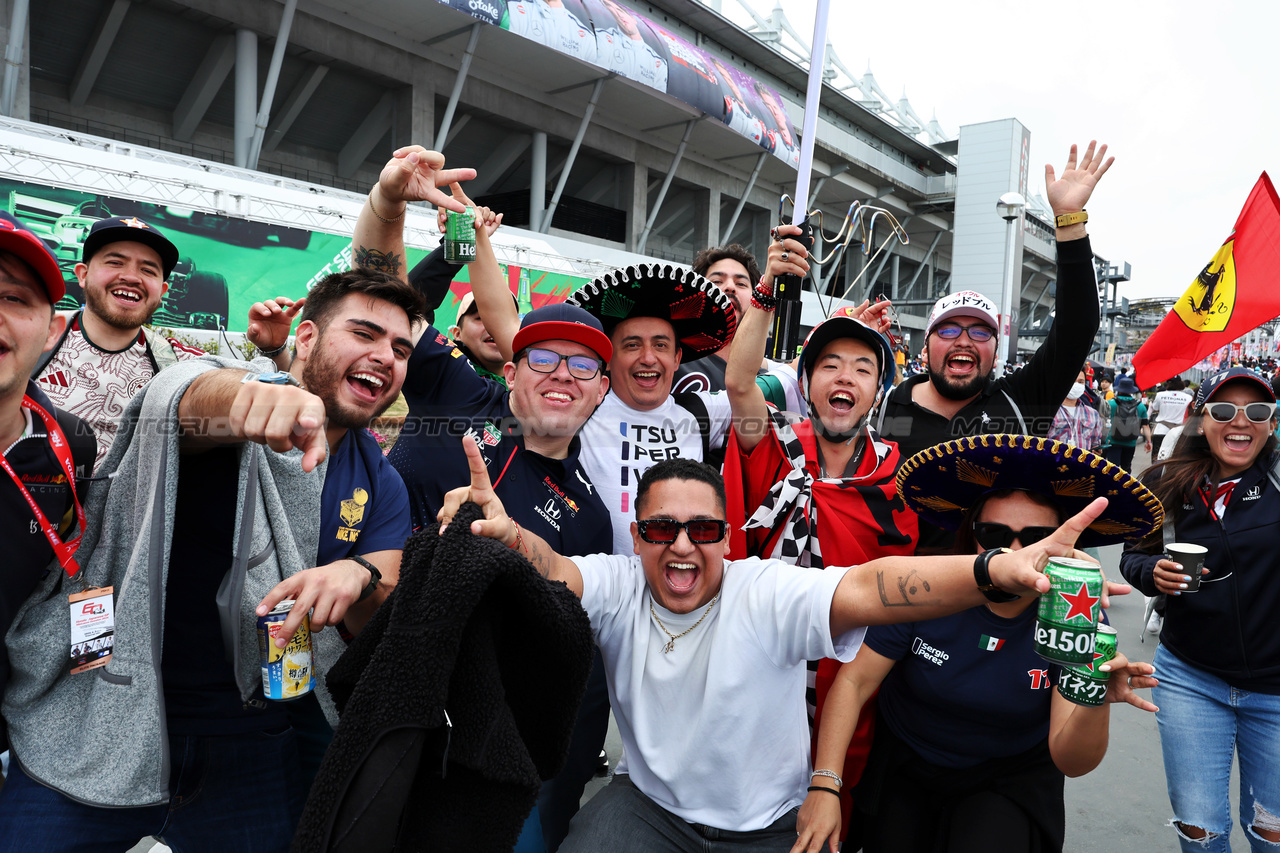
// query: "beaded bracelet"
[[272, 353], [762, 296]]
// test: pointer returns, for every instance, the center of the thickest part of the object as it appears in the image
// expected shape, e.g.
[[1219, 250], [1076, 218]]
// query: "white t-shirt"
[[1168, 410], [716, 731], [95, 385], [620, 443]]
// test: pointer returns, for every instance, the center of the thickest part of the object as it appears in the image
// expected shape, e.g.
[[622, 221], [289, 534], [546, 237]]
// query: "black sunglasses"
[[548, 361], [1225, 413], [992, 535], [664, 531]]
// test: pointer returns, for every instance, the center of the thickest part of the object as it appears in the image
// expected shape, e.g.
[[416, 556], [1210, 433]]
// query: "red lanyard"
[[64, 551]]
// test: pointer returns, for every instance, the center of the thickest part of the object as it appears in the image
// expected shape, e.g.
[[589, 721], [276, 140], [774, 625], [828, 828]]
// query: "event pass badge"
[[93, 628]]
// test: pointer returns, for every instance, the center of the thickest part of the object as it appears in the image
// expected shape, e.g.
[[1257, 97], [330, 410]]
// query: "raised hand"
[[1127, 676], [271, 321], [485, 218], [1070, 193], [496, 524], [416, 174]]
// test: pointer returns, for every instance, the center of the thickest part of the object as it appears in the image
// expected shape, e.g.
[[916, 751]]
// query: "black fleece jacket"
[[456, 700]]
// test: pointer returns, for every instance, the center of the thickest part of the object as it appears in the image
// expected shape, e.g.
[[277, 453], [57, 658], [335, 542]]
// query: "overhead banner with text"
[[619, 39]]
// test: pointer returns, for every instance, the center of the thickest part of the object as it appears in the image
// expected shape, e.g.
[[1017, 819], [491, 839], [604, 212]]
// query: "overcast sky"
[[1185, 94]]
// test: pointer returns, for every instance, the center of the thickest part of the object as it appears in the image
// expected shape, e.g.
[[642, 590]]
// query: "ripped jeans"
[[1202, 720]]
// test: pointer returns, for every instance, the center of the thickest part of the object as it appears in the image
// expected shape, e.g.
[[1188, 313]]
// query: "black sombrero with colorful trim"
[[701, 314], [941, 482]]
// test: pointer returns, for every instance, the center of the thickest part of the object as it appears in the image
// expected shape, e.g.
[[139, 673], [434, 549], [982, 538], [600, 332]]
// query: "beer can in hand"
[[1068, 616], [287, 673], [460, 237], [1087, 685]]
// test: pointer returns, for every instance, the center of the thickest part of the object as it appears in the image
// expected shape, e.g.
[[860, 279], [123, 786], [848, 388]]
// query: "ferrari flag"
[[1237, 291]]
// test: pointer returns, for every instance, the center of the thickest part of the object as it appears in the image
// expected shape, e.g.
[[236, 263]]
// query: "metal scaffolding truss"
[[216, 188], [777, 31]]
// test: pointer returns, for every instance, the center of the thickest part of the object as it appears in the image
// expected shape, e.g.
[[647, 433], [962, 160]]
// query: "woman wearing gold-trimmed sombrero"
[[969, 723]]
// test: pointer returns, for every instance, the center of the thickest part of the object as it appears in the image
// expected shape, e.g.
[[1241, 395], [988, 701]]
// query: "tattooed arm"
[[412, 174], [496, 524], [909, 589]]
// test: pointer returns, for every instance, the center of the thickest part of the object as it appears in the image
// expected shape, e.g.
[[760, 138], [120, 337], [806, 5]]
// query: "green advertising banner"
[[225, 263]]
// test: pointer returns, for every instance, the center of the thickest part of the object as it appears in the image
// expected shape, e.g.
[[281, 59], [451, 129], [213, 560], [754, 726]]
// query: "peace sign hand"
[[1070, 193], [496, 524]]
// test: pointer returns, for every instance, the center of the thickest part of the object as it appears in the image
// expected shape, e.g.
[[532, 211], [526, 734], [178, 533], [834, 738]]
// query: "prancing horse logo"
[[1209, 302]]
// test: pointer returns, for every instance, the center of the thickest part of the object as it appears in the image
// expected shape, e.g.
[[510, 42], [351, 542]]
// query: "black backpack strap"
[[696, 406], [46, 357]]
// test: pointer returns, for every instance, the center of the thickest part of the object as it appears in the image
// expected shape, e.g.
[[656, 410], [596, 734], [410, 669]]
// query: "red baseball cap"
[[22, 241]]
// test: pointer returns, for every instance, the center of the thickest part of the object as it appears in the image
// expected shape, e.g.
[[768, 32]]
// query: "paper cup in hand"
[[1191, 558]]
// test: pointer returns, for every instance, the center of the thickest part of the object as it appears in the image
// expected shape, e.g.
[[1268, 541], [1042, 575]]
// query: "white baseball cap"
[[964, 303]]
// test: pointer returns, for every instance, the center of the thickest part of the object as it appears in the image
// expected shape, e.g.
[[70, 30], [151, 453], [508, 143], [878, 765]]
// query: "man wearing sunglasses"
[[706, 657], [958, 394]]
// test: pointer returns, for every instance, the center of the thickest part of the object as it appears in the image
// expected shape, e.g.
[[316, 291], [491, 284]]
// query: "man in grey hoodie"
[[173, 738]]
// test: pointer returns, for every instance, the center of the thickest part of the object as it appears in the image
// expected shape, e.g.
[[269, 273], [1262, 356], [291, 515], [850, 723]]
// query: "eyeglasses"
[[977, 334], [1225, 413], [992, 535], [664, 531], [548, 361]]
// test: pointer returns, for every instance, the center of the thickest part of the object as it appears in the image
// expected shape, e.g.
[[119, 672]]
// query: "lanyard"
[[64, 551]]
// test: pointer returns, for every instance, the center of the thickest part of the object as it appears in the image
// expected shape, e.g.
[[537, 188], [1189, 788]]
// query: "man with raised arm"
[[527, 432], [705, 657], [958, 395]]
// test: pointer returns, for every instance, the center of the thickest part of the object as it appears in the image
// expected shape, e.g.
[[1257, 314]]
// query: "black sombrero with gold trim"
[[941, 482], [701, 314]]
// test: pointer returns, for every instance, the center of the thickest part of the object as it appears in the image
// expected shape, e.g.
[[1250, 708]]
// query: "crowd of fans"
[[805, 590]]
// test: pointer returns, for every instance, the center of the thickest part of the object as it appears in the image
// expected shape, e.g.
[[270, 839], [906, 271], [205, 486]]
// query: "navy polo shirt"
[[364, 507], [553, 498]]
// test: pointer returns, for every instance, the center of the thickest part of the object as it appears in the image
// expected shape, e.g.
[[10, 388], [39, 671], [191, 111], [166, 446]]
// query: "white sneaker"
[[1155, 623]]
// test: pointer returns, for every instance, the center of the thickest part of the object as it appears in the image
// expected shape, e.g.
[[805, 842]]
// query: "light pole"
[[1010, 208]]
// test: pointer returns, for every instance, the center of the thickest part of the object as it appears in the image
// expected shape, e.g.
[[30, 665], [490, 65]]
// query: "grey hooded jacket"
[[100, 736]]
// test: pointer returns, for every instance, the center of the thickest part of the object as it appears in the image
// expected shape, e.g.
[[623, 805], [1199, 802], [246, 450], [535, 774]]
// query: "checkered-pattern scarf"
[[790, 503]]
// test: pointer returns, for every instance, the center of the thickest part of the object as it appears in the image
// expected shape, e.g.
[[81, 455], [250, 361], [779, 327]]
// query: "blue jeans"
[[237, 792], [1202, 721]]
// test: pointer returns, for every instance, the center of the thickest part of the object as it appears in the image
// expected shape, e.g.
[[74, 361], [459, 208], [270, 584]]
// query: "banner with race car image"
[[226, 263], [619, 39]]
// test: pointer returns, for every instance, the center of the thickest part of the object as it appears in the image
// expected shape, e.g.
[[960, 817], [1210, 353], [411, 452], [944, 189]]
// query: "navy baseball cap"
[[1212, 383], [119, 229], [22, 241], [563, 322]]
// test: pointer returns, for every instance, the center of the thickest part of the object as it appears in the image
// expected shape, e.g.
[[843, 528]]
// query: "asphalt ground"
[[1123, 805]]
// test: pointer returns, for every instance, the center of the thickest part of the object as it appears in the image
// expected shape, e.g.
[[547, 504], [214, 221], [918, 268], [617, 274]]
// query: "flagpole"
[[812, 99], [784, 338]]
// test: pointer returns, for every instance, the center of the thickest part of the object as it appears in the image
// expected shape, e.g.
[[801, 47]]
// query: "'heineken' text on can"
[[1087, 685], [286, 673], [1068, 615], [460, 237]]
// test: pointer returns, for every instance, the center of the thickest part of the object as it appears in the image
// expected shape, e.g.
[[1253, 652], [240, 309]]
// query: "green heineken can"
[[460, 237], [1086, 685], [1068, 615]]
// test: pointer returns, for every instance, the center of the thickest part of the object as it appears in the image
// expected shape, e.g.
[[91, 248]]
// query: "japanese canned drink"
[[1068, 617], [286, 673], [460, 237], [1086, 685]]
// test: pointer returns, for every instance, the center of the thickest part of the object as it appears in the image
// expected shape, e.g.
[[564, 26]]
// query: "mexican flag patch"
[[990, 644]]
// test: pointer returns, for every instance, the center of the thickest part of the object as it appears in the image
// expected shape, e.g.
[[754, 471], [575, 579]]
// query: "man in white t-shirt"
[[1168, 410], [706, 659], [106, 356]]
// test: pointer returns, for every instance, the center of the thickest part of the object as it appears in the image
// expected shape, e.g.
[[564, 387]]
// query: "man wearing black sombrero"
[[656, 316]]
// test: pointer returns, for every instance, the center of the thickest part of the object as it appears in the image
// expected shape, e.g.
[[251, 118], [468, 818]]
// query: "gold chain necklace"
[[671, 644]]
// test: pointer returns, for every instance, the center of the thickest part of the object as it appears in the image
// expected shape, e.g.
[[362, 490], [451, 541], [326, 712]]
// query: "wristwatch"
[[275, 377], [375, 576], [982, 576]]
